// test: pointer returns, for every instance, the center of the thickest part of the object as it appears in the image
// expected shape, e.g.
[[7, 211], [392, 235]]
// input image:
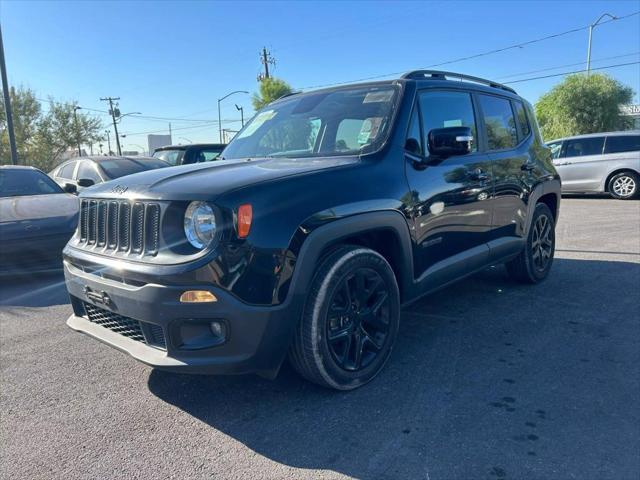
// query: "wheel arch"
[[385, 232], [616, 172]]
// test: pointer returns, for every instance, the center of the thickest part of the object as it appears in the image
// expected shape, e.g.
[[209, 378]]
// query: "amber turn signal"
[[245, 215], [197, 296]]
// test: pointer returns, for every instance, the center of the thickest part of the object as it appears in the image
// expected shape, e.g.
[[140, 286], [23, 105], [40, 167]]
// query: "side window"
[[580, 147], [413, 143], [523, 121], [67, 171], [354, 133], [291, 136], [210, 155], [622, 143], [88, 170], [555, 147], [446, 109], [499, 122]]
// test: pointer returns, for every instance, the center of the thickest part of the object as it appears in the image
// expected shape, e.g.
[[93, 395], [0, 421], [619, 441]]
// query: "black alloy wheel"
[[358, 319], [350, 319]]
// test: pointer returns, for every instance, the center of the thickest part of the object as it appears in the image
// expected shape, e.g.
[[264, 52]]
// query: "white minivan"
[[599, 162]]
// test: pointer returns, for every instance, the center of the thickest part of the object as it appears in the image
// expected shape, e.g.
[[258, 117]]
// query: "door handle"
[[478, 174]]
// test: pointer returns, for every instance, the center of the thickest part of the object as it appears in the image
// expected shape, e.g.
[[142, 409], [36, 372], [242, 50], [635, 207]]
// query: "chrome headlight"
[[200, 224]]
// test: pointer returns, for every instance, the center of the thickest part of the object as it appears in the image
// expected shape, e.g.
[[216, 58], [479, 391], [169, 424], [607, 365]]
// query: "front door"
[[451, 198]]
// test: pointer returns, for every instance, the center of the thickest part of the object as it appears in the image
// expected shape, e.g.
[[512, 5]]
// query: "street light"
[[127, 114], [591, 27], [219, 117], [185, 138], [241, 110], [75, 118]]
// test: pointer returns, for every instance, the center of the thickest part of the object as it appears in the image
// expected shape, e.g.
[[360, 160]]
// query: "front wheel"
[[534, 262], [350, 320], [624, 186]]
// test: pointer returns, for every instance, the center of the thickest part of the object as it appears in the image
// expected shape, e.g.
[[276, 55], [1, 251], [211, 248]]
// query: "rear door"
[[582, 164], [508, 137]]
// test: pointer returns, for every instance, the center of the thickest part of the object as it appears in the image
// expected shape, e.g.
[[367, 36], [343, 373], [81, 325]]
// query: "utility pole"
[[75, 118], [108, 141], [591, 27], [114, 112], [7, 105], [266, 59], [170, 135]]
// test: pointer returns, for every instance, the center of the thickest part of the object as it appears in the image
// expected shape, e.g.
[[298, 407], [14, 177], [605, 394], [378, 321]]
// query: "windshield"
[[174, 157], [119, 167], [348, 121], [19, 182]]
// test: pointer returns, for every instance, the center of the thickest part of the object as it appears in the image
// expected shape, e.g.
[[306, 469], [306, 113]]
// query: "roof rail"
[[296, 92], [437, 74]]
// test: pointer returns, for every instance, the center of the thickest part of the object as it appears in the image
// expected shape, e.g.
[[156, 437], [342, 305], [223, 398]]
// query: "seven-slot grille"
[[152, 335], [120, 226]]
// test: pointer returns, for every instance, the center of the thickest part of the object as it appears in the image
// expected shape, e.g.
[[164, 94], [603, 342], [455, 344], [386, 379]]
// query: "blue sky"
[[174, 59]]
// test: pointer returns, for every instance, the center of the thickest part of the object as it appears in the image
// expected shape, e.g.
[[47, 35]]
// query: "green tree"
[[270, 89], [26, 114], [42, 138], [583, 104]]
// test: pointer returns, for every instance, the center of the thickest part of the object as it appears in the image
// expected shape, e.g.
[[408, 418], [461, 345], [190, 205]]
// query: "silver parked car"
[[599, 162]]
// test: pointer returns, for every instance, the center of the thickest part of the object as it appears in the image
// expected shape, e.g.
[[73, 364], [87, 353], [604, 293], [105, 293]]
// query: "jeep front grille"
[[120, 226]]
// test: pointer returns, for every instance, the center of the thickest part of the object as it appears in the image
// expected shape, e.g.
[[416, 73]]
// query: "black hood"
[[206, 181]]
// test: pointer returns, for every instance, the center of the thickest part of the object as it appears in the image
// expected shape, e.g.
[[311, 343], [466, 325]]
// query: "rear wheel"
[[350, 320], [624, 185], [535, 260]]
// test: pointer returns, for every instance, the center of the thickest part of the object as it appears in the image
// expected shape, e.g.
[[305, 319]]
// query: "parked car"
[[599, 162], [37, 219], [333, 208], [192, 153], [84, 172]]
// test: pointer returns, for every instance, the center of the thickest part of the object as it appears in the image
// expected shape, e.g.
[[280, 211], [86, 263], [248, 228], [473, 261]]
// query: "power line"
[[570, 73], [567, 65], [477, 55]]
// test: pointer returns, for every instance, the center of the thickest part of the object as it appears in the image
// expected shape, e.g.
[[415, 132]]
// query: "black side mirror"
[[70, 188], [85, 182], [450, 141]]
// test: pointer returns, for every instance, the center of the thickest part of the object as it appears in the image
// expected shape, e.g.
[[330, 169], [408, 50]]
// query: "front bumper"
[[257, 336]]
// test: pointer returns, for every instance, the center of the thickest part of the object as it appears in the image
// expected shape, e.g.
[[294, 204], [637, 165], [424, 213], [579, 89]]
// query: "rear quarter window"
[[622, 143]]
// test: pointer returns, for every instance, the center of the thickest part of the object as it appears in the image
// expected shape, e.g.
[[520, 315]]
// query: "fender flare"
[[334, 232], [540, 190]]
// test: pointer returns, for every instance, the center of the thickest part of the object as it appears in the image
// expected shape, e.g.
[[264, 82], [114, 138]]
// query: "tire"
[[350, 320], [624, 185], [533, 264]]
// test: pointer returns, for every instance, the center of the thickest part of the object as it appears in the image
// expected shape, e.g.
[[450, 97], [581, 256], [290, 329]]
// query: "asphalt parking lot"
[[489, 379]]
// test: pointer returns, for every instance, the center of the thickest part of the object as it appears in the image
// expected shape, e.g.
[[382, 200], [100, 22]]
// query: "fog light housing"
[[199, 334], [197, 296]]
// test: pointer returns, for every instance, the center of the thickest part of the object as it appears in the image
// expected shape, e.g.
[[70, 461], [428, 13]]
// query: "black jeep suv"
[[329, 211]]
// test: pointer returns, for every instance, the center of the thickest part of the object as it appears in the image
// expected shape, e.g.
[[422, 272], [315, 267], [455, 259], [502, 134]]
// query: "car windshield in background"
[[347, 121], [19, 182], [174, 157], [119, 167]]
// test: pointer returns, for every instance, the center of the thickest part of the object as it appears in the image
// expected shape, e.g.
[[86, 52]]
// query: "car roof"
[[104, 158], [190, 145], [426, 79], [620, 133], [19, 167]]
